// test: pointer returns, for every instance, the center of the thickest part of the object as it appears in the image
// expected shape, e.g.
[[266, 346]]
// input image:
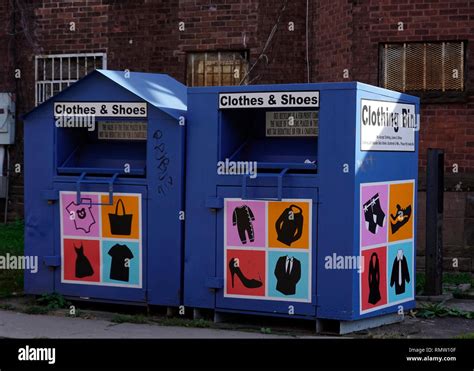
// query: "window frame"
[[434, 96], [68, 80], [243, 52]]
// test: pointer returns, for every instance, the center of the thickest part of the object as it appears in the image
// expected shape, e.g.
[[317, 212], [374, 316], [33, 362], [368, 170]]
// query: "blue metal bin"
[[104, 168], [325, 227]]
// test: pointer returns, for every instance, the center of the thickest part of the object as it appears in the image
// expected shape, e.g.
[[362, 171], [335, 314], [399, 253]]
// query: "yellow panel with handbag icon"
[[122, 219]]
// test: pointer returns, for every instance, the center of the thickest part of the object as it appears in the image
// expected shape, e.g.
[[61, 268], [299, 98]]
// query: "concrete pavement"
[[20, 325]]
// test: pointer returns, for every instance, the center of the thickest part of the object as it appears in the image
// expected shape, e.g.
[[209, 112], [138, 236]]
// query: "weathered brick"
[[343, 35], [463, 264], [453, 229], [469, 233]]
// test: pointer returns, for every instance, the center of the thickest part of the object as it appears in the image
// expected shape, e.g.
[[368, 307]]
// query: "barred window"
[[217, 68], [53, 73], [430, 66]]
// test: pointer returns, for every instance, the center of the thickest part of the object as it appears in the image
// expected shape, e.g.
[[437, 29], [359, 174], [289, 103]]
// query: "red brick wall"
[[53, 26], [332, 40], [246, 25], [285, 60], [449, 126], [347, 34], [144, 35], [6, 47]]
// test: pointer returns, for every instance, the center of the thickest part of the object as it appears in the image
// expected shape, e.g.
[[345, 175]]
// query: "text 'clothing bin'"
[[308, 205], [104, 162]]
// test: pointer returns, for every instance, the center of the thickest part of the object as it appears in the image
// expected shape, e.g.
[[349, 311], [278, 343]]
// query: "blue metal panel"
[[259, 305], [52, 261], [53, 164], [339, 175], [336, 222], [161, 91], [39, 236], [92, 291], [165, 179], [203, 237], [200, 239], [384, 166]]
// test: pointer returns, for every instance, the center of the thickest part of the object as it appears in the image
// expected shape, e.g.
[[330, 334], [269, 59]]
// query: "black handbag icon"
[[120, 224]]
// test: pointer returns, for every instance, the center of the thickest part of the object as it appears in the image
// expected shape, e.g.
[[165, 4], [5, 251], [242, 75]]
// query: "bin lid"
[[159, 90]]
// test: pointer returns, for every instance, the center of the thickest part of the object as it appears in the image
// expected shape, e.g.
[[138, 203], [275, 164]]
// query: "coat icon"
[[400, 273], [289, 226], [374, 279]]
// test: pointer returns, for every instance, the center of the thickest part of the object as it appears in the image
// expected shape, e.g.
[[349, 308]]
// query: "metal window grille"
[[433, 66], [216, 68], [55, 72]]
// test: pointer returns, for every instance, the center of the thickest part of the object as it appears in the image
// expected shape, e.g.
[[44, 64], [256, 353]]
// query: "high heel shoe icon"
[[235, 269]]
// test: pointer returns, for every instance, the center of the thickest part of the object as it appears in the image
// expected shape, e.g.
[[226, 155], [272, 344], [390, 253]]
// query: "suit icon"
[[288, 274]]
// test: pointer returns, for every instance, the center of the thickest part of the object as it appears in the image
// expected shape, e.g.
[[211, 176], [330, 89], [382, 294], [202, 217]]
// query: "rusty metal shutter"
[[437, 66]]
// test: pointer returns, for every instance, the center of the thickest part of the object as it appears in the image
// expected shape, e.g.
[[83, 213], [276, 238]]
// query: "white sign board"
[[101, 109], [308, 99], [387, 126], [291, 124]]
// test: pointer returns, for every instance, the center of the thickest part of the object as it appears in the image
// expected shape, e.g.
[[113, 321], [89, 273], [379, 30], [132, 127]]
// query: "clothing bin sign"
[[101, 109], [267, 249], [101, 244], [387, 126], [387, 214], [275, 99]]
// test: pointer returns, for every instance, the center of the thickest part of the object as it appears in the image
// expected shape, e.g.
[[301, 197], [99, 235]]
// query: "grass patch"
[[53, 301], [12, 242], [450, 278], [458, 278], [183, 322], [469, 335], [7, 307], [163, 321], [266, 330], [127, 318], [79, 314], [36, 309], [46, 303], [420, 282], [431, 310]]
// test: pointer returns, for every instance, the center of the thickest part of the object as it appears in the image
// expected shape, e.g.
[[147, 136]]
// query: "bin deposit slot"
[[274, 139], [81, 151]]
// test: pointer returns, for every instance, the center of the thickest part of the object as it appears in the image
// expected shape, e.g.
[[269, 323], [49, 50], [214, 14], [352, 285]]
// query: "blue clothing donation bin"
[[104, 163], [307, 204]]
